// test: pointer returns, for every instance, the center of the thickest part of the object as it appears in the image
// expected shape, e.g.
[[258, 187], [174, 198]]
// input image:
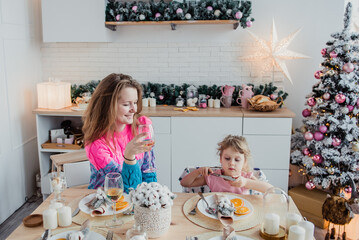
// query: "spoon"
[[209, 209]]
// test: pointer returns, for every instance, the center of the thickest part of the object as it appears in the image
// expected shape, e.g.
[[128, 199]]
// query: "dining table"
[[180, 228]]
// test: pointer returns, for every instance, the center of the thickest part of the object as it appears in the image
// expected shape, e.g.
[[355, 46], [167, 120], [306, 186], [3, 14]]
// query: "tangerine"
[[242, 210], [121, 205], [237, 202]]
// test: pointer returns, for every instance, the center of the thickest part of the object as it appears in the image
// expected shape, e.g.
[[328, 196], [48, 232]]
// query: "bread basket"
[[264, 104]]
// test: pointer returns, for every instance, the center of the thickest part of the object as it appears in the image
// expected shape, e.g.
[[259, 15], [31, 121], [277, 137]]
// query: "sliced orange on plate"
[[237, 202], [242, 210], [121, 199], [121, 205]]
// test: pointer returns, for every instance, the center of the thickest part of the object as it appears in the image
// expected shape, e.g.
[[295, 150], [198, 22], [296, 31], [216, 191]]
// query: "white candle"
[[64, 216], [217, 103], [59, 140], [210, 102], [49, 218], [152, 102], [144, 102], [271, 223], [296, 233], [293, 219], [309, 229]]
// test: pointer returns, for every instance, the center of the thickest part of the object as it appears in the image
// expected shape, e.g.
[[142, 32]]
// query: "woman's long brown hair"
[[101, 114]]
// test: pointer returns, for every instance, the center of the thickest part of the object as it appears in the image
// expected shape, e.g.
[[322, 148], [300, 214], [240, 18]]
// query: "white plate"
[[109, 211], [201, 205], [238, 237], [91, 236], [77, 109]]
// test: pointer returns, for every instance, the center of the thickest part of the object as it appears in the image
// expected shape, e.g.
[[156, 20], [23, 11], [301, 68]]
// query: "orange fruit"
[[121, 205], [237, 202], [121, 199], [242, 210]]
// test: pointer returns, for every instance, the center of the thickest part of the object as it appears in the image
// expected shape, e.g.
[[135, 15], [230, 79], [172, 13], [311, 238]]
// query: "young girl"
[[234, 157]]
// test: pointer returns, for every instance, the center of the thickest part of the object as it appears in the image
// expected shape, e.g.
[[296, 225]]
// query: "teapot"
[[244, 94], [228, 90]]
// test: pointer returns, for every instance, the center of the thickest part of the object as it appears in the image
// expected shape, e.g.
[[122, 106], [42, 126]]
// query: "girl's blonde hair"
[[101, 114], [239, 144]]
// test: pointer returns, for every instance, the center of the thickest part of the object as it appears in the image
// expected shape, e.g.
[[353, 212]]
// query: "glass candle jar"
[[192, 96], [136, 233]]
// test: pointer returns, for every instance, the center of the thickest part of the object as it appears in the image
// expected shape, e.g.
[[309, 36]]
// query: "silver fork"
[[109, 235], [209, 209]]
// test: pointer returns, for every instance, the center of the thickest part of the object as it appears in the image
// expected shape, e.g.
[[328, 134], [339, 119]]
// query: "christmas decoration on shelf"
[[80, 90], [120, 11], [330, 158], [273, 53]]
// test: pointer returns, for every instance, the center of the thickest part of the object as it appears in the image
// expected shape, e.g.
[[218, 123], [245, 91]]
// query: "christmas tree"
[[326, 147]]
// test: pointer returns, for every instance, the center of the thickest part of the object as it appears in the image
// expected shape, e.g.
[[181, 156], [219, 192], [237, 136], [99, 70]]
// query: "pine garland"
[[188, 10], [167, 94]]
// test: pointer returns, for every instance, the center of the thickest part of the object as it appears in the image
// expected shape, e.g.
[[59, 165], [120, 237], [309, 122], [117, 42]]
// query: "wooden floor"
[[10, 224]]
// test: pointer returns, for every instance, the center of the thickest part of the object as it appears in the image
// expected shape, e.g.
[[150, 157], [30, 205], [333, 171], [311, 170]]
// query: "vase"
[[154, 222]]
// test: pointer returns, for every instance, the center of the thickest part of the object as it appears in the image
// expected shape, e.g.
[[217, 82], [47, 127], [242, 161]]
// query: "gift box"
[[309, 203]]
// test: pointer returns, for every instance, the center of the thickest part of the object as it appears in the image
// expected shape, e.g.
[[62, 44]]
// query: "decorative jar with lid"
[[192, 96]]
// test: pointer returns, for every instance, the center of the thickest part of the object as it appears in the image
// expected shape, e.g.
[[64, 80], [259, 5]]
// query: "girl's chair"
[[205, 189]]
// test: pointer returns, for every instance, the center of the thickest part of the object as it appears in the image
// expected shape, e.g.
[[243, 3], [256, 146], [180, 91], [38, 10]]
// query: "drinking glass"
[[150, 138], [58, 185], [114, 189]]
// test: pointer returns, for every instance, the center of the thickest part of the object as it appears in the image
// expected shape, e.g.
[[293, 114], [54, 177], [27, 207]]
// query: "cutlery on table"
[[109, 235], [75, 212], [46, 234], [209, 209], [193, 211], [223, 176]]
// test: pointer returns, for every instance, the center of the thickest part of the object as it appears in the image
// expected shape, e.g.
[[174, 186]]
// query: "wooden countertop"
[[168, 111]]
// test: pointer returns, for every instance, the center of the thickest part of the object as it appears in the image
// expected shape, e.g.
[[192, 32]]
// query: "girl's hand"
[[137, 145], [204, 171], [240, 182]]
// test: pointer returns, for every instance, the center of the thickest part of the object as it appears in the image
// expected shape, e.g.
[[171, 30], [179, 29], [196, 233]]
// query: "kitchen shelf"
[[173, 24]]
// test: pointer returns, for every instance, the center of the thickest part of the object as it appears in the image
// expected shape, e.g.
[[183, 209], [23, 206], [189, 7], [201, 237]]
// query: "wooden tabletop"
[[168, 111], [179, 229]]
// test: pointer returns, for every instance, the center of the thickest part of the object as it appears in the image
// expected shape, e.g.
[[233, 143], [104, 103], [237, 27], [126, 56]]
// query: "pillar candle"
[[309, 229], [293, 219], [271, 223], [210, 102], [64, 216], [152, 102], [49, 218], [217, 103], [296, 233], [145, 102]]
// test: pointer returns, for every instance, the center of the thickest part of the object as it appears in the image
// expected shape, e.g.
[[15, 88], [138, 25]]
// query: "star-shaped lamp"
[[274, 53]]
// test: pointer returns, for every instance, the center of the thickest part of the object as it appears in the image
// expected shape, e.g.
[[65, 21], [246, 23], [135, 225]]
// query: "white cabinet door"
[[74, 21], [162, 129], [194, 142]]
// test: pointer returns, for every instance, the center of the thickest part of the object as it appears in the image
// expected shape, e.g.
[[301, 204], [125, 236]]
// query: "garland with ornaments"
[[119, 11], [326, 147]]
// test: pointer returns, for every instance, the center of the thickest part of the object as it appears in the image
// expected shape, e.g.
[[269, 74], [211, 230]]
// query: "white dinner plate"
[[201, 205], [238, 237], [85, 209], [91, 236]]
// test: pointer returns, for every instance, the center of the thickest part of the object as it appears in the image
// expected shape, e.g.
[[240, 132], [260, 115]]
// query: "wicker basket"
[[267, 106]]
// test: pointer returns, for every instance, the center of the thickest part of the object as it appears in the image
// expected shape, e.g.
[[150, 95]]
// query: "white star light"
[[274, 53]]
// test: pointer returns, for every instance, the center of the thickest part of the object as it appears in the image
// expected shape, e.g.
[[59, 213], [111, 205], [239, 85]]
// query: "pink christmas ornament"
[[306, 151], [318, 74], [249, 23], [273, 96], [308, 136], [161, 97], [350, 108], [318, 136], [358, 102], [340, 98], [333, 54], [348, 67], [323, 51], [134, 8], [326, 96], [309, 185], [311, 101], [323, 129], [336, 142], [238, 15], [118, 17], [157, 15], [317, 158], [306, 113], [348, 189], [179, 11], [210, 8]]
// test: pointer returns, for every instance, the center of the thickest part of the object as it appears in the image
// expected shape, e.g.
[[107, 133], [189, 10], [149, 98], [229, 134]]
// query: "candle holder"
[[275, 208]]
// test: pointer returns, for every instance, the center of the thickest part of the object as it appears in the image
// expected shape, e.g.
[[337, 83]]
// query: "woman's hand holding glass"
[[137, 145], [148, 141]]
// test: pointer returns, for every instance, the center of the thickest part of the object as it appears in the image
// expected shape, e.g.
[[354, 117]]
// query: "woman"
[[110, 128]]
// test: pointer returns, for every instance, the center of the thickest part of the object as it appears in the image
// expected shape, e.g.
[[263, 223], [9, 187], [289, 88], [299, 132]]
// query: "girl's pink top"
[[218, 184]]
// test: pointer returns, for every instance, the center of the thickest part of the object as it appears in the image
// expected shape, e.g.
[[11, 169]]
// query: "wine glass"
[[58, 185], [150, 138], [114, 189]]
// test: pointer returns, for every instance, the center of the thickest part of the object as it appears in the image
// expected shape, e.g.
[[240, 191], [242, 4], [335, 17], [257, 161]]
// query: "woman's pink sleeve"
[[144, 120], [99, 154]]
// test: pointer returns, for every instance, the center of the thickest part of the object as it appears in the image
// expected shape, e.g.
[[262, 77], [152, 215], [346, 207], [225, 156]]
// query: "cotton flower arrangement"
[[225, 207], [152, 195]]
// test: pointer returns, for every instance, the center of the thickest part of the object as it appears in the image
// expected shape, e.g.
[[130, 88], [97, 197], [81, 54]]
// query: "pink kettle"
[[228, 90], [244, 94]]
